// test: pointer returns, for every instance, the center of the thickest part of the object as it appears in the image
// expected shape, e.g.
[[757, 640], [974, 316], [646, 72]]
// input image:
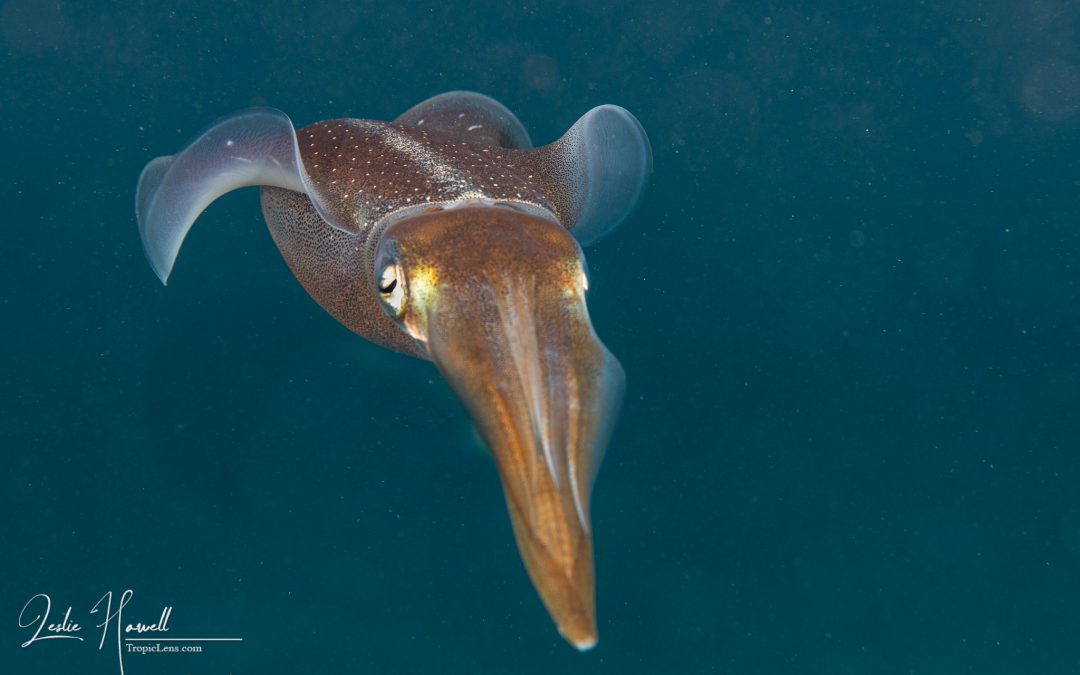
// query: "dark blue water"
[[848, 309]]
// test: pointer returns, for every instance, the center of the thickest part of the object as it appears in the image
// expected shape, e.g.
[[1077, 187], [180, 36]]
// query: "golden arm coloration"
[[444, 235]]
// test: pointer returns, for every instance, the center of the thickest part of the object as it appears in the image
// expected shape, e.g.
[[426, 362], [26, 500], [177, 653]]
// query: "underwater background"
[[848, 309]]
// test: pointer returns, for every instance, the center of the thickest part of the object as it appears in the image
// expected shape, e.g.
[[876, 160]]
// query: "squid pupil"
[[389, 288]]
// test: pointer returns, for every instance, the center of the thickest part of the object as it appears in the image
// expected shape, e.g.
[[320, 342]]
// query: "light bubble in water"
[[540, 71]]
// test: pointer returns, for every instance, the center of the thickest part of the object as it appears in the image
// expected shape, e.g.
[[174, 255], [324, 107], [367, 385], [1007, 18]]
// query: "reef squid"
[[447, 236]]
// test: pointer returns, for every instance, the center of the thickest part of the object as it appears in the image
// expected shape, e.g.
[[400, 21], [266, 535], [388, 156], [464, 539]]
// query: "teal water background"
[[848, 309]]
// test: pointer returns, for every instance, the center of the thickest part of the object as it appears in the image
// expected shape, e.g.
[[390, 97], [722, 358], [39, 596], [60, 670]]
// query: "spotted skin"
[[371, 172], [368, 169]]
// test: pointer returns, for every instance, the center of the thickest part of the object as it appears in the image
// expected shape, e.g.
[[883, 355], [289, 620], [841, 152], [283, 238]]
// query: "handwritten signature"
[[37, 614]]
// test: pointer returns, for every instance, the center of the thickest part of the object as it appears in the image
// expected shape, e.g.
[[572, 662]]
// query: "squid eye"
[[391, 291]]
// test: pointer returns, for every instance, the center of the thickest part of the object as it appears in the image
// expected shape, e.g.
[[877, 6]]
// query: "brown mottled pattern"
[[557, 177], [336, 268], [367, 170]]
